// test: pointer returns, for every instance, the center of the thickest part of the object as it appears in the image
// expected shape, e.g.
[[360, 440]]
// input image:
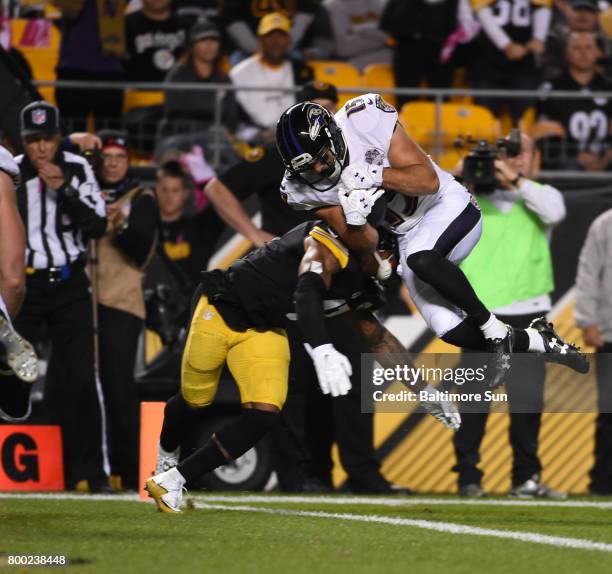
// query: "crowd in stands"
[[479, 44]]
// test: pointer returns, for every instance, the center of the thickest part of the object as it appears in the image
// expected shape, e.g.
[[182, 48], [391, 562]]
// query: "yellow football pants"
[[258, 360]]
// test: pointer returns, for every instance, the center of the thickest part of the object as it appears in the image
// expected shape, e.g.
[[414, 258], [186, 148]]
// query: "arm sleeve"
[[544, 200], [137, 239], [309, 295], [86, 209], [590, 265], [242, 36], [301, 23], [541, 23], [492, 29]]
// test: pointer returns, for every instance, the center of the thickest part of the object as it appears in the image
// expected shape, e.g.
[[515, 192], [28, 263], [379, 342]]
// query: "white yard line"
[[322, 499], [399, 501], [446, 527]]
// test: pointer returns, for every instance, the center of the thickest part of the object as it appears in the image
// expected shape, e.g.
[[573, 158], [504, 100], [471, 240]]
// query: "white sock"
[[162, 452], [494, 328], [536, 342]]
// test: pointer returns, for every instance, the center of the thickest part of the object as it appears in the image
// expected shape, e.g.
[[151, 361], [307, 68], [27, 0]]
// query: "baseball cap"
[[39, 117], [318, 91], [585, 4], [113, 138], [202, 31], [273, 21]]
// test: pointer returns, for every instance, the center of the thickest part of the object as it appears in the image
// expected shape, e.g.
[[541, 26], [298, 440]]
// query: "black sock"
[[232, 441], [448, 280], [179, 417], [468, 336], [521, 341]]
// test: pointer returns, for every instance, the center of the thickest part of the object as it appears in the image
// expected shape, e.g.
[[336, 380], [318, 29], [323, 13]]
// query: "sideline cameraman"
[[518, 216], [122, 255], [61, 206]]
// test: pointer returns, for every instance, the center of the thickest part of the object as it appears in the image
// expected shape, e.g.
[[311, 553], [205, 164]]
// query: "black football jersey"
[[257, 290], [586, 121]]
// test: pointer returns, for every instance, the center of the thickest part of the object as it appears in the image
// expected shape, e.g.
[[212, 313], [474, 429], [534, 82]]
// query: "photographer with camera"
[[122, 252], [511, 270], [60, 203]]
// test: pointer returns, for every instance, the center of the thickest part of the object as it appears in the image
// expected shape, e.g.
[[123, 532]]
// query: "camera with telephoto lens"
[[479, 165], [94, 158]]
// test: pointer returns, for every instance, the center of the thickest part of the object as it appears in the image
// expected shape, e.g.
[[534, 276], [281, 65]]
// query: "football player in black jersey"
[[239, 318]]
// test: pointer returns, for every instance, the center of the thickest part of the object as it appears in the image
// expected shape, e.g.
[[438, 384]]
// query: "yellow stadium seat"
[[527, 122], [142, 98], [43, 59], [456, 120], [340, 74], [377, 76]]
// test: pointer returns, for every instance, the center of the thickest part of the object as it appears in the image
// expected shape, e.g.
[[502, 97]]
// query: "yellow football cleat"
[[167, 490]]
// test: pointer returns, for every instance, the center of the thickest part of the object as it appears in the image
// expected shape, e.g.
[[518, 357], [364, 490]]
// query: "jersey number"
[[585, 126], [515, 12]]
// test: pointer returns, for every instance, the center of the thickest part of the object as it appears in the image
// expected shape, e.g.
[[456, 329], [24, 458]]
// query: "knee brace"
[[242, 434]]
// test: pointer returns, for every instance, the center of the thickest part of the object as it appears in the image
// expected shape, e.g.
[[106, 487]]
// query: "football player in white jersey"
[[340, 165], [17, 357]]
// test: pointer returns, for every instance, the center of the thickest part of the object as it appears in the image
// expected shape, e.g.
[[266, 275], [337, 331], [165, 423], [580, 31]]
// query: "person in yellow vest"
[[122, 254], [511, 271]]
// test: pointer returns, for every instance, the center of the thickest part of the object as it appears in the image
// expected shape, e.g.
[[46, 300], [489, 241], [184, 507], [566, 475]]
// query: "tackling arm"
[[231, 211], [315, 275], [12, 247]]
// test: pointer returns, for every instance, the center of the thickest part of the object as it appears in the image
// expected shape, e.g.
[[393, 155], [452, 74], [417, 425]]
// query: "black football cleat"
[[557, 350], [500, 360]]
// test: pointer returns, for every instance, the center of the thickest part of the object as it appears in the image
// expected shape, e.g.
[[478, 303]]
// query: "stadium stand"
[[41, 51]]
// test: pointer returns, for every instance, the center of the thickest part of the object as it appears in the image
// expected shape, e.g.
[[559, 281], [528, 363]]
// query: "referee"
[[61, 206]]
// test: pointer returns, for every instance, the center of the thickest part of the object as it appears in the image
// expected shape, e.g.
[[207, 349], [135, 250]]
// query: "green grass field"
[[276, 534]]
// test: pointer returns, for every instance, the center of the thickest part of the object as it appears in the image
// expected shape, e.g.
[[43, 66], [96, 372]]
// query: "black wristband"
[[518, 178]]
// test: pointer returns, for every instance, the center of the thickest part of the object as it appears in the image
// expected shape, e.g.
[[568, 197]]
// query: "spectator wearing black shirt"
[[419, 28], [574, 16], [187, 240], [155, 39], [122, 255], [191, 111], [514, 33], [92, 47], [584, 123]]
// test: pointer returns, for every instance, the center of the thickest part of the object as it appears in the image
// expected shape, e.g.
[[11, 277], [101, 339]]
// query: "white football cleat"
[[166, 460], [167, 490], [17, 353]]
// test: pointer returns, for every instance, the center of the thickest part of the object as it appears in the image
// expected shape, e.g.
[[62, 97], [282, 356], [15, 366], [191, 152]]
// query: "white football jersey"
[[8, 164], [367, 123]]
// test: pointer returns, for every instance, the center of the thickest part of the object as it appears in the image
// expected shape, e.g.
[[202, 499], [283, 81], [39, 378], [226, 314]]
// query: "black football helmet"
[[307, 133]]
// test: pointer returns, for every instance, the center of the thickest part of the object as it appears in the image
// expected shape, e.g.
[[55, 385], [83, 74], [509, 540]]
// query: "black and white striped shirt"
[[57, 233]]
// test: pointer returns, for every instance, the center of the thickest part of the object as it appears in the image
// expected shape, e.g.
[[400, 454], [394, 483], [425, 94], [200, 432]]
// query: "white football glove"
[[333, 369], [358, 203], [444, 411], [362, 176]]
